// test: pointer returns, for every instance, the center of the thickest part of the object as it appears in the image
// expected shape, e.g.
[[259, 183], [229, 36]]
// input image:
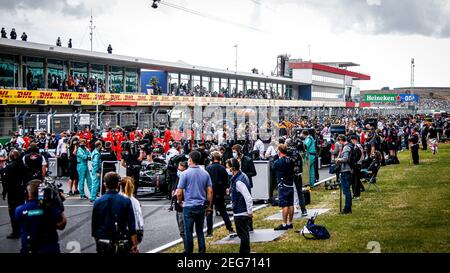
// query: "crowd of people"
[[354, 147], [199, 91]]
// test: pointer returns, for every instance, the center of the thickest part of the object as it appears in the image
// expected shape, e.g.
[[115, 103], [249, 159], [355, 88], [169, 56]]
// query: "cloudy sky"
[[381, 35]]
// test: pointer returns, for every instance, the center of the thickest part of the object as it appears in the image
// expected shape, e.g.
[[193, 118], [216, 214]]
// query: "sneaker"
[[233, 235], [76, 193], [170, 208], [290, 226], [281, 227], [356, 198], [346, 212], [13, 236], [83, 198], [91, 201], [70, 193], [304, 213]]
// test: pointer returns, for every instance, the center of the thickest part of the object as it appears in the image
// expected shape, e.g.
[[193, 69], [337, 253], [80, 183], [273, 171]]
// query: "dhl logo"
[[115, 97], [24, 95], [83, 96], [46, 95], [129, 97], [101, 97], [3, 94], [65, 96], [142, 98]]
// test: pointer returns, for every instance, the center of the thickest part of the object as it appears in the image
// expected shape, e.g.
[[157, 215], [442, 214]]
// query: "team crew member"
[[195, 188], [83, 156], [61, 154], [35, 164], [96, 170], [284, 168], [247, 167], [39, 224], [358, 154], [310, 146], [113, 221], [219, 179], [242, 203]]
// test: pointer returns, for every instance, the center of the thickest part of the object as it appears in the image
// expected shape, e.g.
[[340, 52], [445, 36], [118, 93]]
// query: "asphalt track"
[[160, 225]]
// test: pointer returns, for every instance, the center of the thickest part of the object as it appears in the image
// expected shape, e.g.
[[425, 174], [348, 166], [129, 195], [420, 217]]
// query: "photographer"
[[345, 172], [14, 189], [113, 221], [35, 164], [132, 160], [284, 168], [39, 223]]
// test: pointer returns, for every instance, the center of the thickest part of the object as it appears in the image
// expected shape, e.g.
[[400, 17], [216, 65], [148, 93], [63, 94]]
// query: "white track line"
[[81, 206], [173, 243]]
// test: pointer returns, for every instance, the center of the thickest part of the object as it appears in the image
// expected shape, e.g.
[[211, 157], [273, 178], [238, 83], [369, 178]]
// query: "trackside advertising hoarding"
[[391, 98], [380, 98]]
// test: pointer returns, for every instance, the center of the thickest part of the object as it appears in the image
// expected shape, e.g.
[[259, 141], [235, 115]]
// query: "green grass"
[[411, 214]]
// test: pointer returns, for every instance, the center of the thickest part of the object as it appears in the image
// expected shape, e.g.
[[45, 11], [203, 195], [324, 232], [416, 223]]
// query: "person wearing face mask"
[[182, 166], [61, 154], [247, 167], [204, 160], [242, 203], [83, 156], [310, 146], [52, 142], [220, 184], [96, 170]]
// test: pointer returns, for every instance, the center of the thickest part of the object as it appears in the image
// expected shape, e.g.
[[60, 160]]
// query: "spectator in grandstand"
[[110, 49], [13, 34], [58, 42], [69, 45], [24, 37], [3, 33]]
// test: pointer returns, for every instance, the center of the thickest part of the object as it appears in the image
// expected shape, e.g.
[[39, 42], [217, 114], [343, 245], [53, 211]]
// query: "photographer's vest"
[[238, 200], [33, 162]]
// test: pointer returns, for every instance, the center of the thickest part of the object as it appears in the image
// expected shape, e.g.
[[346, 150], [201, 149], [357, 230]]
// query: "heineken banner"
[[391, 98], [380, 97]]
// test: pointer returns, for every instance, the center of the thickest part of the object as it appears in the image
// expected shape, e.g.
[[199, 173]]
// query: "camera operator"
[[345, 172], [35, 164], [132, 158], [113, 221], [284, 168], [310, 146], [39, 223], [14, 189]]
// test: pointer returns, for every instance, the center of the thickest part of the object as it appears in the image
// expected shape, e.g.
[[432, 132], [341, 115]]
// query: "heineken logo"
[[381, 98]]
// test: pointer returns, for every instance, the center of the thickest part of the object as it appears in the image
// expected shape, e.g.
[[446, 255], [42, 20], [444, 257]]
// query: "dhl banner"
[[27, 97]]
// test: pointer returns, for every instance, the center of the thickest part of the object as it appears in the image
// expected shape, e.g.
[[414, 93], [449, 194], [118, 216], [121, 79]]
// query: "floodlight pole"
[[96, 108], [236, 63]]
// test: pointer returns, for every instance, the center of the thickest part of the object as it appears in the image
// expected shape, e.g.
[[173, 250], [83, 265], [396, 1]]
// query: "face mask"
[[235, 155], [229, 172], [179, 173], [82, 146]]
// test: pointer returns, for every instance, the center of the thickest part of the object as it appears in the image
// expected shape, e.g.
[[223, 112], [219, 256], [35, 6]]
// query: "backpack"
[[356, 157], [317, 232]]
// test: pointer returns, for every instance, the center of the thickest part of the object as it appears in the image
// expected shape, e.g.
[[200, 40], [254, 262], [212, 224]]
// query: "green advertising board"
[[380, 97]]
